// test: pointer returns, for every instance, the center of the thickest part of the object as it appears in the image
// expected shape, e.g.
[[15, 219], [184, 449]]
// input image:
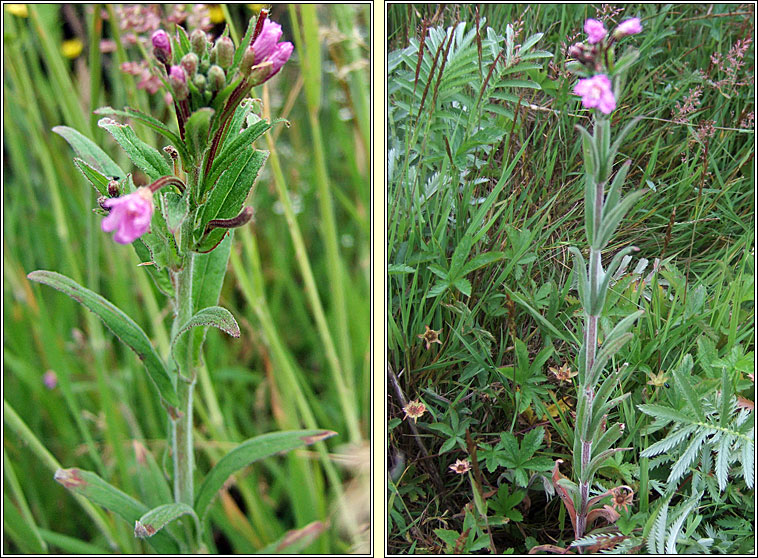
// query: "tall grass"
[[298, 283]]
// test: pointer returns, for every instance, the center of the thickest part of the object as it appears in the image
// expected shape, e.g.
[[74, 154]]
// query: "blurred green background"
[[75, 397]]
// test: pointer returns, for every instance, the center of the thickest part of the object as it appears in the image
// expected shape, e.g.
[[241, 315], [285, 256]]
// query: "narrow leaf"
[[96, 490], [120, 324], [157, 518], [98, 180], [89, 152], [248, 452], [215, 316], [141, 154]]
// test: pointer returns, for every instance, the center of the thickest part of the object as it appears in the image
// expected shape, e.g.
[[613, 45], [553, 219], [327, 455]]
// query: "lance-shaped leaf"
[[612, 218], [176, 209], [623, 326], [157, 518], [215, 316], [233, 147], [597, 415], [603, 287], [248, 452], [598, 461], [580, 274], [148, 121], [620, 138], [98, 180], [120, 324], [96, 490], [228, 195], [608, 349], [608, 438], [89, 152], [614, 192], [566, 491], [141, 154], [590, 152]]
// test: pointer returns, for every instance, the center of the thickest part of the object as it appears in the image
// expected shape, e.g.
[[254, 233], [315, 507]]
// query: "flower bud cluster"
[[595, 60]]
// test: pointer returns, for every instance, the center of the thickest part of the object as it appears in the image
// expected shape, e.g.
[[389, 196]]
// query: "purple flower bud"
[[595, 31], [161, 46], [189, 63], [628, 27], [224, 51], [266, 48], [50, 379], [178, 80], [129, 215]]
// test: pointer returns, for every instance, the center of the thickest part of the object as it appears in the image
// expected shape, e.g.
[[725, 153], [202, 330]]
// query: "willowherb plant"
[[180, 226], [599, 88]]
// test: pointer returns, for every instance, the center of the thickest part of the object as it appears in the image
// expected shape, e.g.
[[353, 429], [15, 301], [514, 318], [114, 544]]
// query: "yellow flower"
[[216, 13], [430, 336], [72, 48], [658, 380], [19, 10]]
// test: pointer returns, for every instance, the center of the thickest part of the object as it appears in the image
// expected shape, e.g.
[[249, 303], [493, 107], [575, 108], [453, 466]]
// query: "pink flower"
[[130, 215], [628, 27], [161, 40], [596, 92], [50, 379], [595, 30], [267, 46]]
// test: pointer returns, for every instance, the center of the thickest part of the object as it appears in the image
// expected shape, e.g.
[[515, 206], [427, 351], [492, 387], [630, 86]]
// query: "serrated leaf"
[[249, 452], [120, 324], [157, 518], [89, 152], [95, 489], [665, 413], [141, 154]]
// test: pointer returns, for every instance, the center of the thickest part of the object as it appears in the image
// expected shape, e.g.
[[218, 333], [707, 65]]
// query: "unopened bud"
[[243, 218], [113, 189], [199, 42], [178, 80], [224, 51], [216, 78], [189, 63], [200, 82], [248, 59], [161, 46]]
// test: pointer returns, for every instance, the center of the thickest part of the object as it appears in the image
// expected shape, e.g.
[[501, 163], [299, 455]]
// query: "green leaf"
[[99, 181], [664, 413], [612, 267], [157, 518], [209, 272], [580, 273], [176, 209], [89, 152], [215, 316], [159, 274], [120, 324], [148, 121], [463, 285], [95, 489], [227, 197], [682, 381], [532, 442], [236, 143], [614, 192], [141, 154], [196, 131], [294, 541], [481, 260], [248, 452], [613, 217]]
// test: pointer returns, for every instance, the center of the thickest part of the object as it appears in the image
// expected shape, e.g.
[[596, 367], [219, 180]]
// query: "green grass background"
[[303, 357], [698, 217]]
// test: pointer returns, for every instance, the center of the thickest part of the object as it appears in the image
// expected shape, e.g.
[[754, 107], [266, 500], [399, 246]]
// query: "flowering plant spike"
[[180, 227], [604, 208]]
